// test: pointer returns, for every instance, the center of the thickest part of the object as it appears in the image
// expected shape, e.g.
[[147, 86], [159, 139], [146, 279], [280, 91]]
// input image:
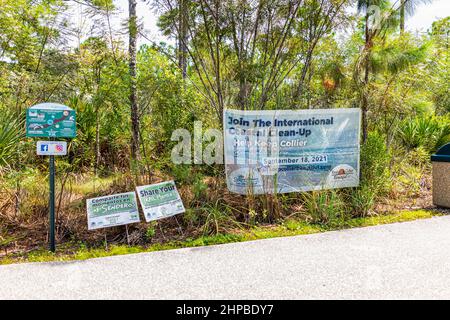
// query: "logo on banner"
[[342, 174]]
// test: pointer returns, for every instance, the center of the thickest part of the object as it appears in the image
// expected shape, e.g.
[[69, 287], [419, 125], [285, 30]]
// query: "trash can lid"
[[442, 155]]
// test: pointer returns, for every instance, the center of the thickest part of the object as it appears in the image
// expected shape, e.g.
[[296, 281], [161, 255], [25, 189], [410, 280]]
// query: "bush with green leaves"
[[218, 218], [151, 230], [187, 175], [375, 177], [361, 201], [427, 132], [323, 206], [374, 163]]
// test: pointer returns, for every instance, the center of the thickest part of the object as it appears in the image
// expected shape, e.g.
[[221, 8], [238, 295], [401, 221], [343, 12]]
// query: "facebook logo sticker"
[[51, 148]]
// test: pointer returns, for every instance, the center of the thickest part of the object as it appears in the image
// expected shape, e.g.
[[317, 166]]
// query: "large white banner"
[[291, 150]]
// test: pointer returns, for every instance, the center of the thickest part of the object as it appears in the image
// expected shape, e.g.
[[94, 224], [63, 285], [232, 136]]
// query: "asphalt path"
[[398, 261]]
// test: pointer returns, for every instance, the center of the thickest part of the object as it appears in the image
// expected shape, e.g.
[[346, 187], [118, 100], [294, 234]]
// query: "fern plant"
[[11, 132], [429, 133]]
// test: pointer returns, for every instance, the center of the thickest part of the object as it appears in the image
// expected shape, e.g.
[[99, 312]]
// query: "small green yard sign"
[[113, 210], [160, 200]]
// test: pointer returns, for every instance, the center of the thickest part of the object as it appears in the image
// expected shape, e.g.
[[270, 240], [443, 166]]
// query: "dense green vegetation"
[[250, 55]]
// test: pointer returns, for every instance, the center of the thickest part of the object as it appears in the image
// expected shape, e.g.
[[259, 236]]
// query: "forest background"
[[249, 55]]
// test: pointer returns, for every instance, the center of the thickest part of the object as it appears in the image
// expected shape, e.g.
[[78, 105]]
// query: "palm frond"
[[11, 132], [410, 6], [395, 59]]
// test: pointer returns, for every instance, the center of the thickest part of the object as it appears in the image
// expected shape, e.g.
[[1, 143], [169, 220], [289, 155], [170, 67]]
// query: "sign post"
[[52, 204], [51, 120]]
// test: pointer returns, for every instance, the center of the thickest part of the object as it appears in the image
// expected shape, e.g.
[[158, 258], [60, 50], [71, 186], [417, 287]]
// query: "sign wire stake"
[[179, 226], [128, 236]]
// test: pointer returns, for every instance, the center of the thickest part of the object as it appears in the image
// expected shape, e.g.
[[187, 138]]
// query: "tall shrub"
[[375, 176]]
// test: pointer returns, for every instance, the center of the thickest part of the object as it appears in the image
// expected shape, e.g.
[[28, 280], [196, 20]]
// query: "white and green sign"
[[282, 151], [160, 200], [51, 120], [113, 210]]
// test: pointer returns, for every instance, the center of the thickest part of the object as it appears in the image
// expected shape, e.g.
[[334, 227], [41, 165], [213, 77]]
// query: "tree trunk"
[[306, 66], [97, 140], [365, 102], [402, 17], [133, 95], [182, 37]]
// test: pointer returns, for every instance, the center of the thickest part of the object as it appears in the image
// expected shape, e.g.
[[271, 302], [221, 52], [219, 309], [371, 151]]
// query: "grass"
[[288, 228], [95, 184]]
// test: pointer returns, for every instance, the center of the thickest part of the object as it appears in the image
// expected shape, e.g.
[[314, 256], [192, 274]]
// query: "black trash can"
[[441, 177]]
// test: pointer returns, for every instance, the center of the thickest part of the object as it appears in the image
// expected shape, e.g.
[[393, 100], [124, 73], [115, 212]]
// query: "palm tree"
[[387, 21], [132, 29], [408, 7], [365, 6]]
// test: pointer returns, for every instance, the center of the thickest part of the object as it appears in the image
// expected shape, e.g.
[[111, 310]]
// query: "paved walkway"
[[401, 261]]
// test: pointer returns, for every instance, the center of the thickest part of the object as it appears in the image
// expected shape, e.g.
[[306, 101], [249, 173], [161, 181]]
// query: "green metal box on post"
[[51, 120], [441, 177]]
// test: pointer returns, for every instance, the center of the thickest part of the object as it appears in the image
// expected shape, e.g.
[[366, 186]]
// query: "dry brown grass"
[[28, 230]]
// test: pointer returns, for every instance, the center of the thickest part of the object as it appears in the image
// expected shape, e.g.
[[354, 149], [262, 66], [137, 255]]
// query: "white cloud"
[[426, 14]]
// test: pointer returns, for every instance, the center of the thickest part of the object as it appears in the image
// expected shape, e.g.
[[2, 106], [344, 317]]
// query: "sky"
[[426, 14], [422, 20]]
